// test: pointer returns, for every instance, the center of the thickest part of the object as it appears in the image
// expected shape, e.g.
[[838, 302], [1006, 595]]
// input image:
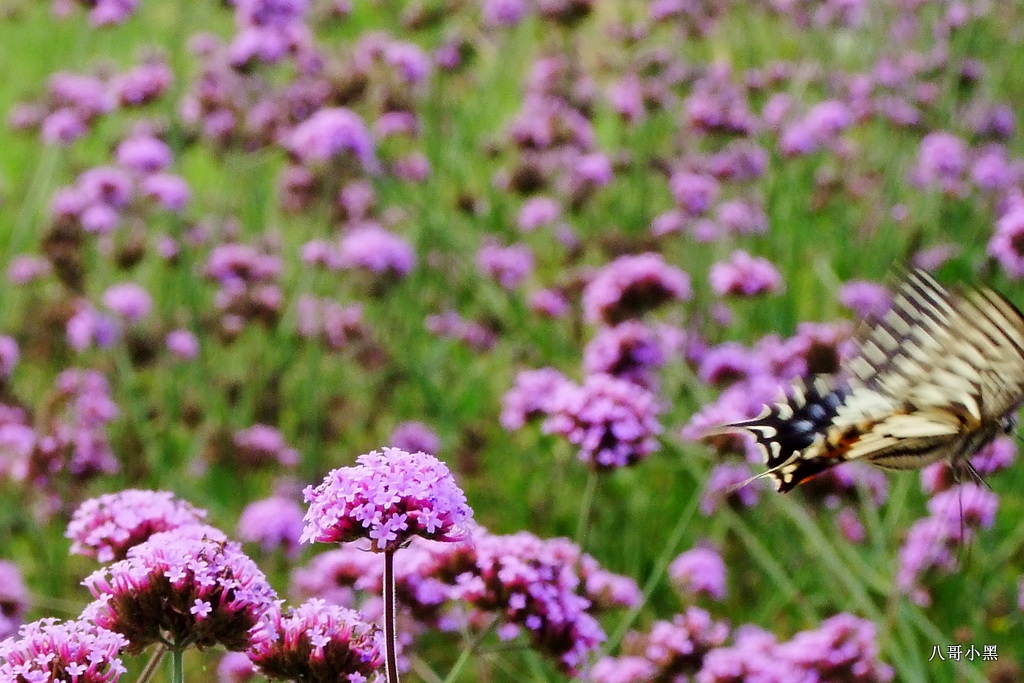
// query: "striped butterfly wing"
[[936, 378], [950, 364]]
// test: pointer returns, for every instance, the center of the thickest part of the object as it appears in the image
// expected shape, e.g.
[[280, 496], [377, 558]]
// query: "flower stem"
[[391, 654], [586, 505], [177, 668], [152, 664]]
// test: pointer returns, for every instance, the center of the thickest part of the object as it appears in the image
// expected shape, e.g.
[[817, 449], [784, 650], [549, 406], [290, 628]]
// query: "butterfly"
[[936, 378]]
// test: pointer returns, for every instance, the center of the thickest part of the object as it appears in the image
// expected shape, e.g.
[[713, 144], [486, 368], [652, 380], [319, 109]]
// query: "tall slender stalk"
[[391, 654], [152, 664], [177, 666]]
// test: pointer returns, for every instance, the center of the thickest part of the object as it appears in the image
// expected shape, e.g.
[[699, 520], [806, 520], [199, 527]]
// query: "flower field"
[[304, 299]]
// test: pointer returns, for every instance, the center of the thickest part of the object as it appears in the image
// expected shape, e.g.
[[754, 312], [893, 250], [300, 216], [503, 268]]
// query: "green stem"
[[468, 650], [177, 667], [586, 504], [152, 664], [391, 653]]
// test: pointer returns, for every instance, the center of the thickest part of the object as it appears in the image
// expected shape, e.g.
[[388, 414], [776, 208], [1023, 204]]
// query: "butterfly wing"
[[935, 378]]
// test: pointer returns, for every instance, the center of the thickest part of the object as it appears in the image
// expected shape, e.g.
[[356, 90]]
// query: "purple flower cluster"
[[533, 583], [14, 599], [49, 650], [843, 648], [955, 515], [631, 285], [106, 527], [453, 326], [415, 437], [274, 523], [547, 588], [612, 421], [389, 497], [672, 650], [334, 324], [699, 571], [261, 445], [530, 397], [184, 589], [509, 266], [744, 275], [247, 280], [376, 250], [630, 351], [317, 642]]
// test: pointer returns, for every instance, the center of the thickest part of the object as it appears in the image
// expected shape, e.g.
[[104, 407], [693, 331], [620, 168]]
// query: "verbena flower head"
[[51, 650], [318, 642], [274, 523], [631, 285], [744, 275], [106, 527], [331, 133], [509, 266], [630, 351], [13, 599], [534, 583], [843, 648], [699, 571], [389, 496], [261, 445], [613, 421], [415, 436], [530, 396], [235, 667], [377, 250], [679, 646], [181, 589]]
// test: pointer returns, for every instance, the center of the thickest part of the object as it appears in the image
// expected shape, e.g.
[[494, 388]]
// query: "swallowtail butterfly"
[[937, 377]]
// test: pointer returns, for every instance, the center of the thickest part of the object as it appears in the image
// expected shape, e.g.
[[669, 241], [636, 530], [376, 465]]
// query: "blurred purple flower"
[[504, 12], [699, 571], [744, 275], [107, 12], [107, 527], [993, 171], [842, 648], [274, 523], [129, 301], [415, 437], [509, 266], [24, 269], [740, 217], [168, 190], [143, 154], [318, 642], [624, 669], [235, 667], [14, 601], [537, 212], [719, 488], [942, 162], [49, 649], [330, 133], [850, 526], [631, 285], [339, 574], [182, 590], [389, 496], [377, 250], [329, 321], [142, 84], [534, 583], [530, 397], [630, 351], [867, 300], [668, 223], [612, 421], [549, 303], [1007, 243], [182, 343], [260, 445], [453, 326], [694, 193]]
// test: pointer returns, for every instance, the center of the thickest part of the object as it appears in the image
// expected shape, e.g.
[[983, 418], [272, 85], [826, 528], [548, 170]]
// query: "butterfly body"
[[936, 379]]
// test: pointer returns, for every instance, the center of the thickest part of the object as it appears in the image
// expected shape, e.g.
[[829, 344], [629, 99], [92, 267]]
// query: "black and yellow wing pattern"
[[939, 376]]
